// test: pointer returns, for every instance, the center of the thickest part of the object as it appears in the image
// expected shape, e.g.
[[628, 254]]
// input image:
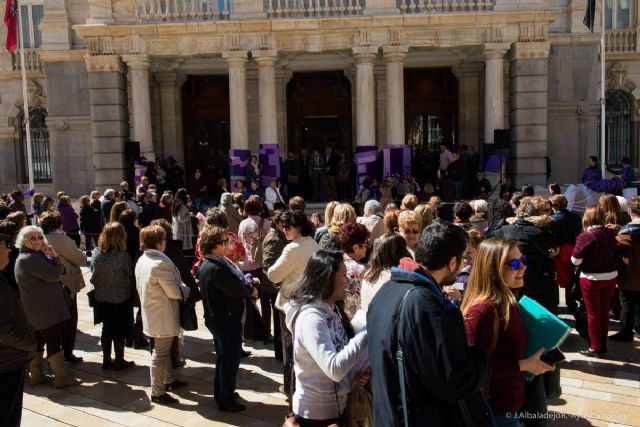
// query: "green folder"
[[545, 329]]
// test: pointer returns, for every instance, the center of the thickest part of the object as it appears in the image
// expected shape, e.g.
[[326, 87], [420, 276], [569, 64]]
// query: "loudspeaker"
[[131, 151], [501, 138]]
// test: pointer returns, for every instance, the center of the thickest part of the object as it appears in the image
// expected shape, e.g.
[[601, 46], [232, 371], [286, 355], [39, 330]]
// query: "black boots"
[[121, 364], [107, 362]]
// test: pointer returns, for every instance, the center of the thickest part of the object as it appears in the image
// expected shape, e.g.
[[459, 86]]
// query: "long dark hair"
[[178, 200], [388, 250], [318, 283]]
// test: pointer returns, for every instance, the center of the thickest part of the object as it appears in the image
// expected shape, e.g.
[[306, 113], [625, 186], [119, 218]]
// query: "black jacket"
[[105, 208], [17, 341], [443, 374], [222, 291], [174, 251], [566, 226], [149, 212], [90, 220]]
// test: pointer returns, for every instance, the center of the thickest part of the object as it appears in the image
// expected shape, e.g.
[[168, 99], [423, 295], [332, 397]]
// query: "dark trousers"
[[227, 338], [277, 332], [535, 402], [266, 299], [597, 299], [287, 356], [11, 388], [630, 315], [70, 328], [90, 241], [52, 337], [304, 422], [75, 236]]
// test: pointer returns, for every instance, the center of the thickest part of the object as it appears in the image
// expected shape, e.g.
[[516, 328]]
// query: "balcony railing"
[[313, 8], [623, 40], [31, 60], [441, 6], [182, 10]]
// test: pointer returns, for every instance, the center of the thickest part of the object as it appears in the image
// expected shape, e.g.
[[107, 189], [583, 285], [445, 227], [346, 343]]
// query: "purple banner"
[[239, 161], [269, 163], [365, 160], [397, 162]]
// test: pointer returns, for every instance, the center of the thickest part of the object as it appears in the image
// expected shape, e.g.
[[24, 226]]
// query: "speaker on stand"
[[496, 153]]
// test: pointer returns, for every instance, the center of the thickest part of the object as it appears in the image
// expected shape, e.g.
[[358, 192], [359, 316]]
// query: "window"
[[32, 11], [619, 135], [619, 13], [39, 147]]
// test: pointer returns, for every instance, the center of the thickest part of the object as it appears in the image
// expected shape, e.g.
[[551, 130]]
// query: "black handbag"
[[92, 298], [188, 318]]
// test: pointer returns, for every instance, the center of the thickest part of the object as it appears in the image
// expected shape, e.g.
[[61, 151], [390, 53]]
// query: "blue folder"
[[545, 329]]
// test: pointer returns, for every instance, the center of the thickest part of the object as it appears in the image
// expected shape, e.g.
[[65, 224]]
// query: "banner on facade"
[[269, 163], [365, 159], [396, 162], [239, 160]]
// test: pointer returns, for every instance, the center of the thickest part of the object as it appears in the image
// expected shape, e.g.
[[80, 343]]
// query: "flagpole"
[[603, 122], [25, 97]]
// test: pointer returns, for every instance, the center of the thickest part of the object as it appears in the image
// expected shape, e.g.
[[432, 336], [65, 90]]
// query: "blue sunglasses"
[[516, 263]]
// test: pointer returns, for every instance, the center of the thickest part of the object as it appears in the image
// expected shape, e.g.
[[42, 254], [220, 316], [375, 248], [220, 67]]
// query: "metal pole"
[[603, 122], [25, 97]]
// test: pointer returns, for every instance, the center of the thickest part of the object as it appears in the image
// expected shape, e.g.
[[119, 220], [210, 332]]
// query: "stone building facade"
[[191, 79]]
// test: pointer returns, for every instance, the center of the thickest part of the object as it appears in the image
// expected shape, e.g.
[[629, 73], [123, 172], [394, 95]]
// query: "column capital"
[[166, 78], [137, 62], [529, 50], [104, 63], [265, 58], [365, 55], [395, 53], [492, 51], [236, 58]]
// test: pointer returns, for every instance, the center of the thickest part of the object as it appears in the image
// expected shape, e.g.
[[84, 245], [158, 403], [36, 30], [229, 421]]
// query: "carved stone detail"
[[617, 78], [534, 50], [35, 96], [104, 63]]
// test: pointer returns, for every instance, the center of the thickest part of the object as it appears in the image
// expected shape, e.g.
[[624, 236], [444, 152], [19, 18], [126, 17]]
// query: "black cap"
[[5, 238]]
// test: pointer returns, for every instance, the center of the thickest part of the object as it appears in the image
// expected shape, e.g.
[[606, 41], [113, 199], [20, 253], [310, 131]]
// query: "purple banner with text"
[[397, 162], [239, 161], [365, 160], [269, 163]]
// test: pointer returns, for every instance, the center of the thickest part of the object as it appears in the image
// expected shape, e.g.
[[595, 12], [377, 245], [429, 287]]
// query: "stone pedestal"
[[237, 61], [141, 102], [394, 57], [493, 91], [365, 95], [528, 85], [109, 118], [268, 123]]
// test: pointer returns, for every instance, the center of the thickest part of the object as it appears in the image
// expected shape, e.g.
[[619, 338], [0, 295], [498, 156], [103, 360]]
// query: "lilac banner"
[[269, 163], [365, 160], [239, 160], [397, 162]]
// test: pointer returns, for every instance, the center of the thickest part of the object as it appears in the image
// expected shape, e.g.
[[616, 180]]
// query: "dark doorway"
[[205, 107], [319, 111]]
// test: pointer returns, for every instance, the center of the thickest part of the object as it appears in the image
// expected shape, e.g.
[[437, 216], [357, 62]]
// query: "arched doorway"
[[205, 101], [319, 111], [619, 127]]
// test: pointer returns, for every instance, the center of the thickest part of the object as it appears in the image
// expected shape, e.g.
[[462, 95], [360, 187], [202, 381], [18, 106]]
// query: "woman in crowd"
[[493, 322], [112, 279], [69, 219], [326, 348], [48, 204], [38, 270], [11, 230], [19, 218], [613, 214], [328, 217], [287, 271], [390, 220], [173, 250], [160, 288], [36, 205], [342, 214], [90, 223], [253, 170], [234, 217], [72, 259], [354, 240], [166, 202], [220, 189], [409, 202], [388, 250], [272, 247], [475, 238], [410, 227], [116, 210], [594, 252], [224, 291], [426, 215], [181, 220], [499, 211]]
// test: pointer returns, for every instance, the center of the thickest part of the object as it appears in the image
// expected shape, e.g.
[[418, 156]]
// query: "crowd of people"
[[409, 306]]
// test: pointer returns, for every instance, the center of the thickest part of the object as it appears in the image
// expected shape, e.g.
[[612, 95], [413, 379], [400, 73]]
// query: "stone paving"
[[598, 392]]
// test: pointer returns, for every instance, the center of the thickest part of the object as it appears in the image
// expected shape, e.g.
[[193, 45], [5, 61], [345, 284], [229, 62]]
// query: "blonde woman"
[[493, 322], [328, 216], [426, 214], [342, 214], [410, 227]]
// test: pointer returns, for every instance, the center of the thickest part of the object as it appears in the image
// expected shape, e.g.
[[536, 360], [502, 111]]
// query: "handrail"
[[182, 10], [443, 6], [621, 40], [32, 62]]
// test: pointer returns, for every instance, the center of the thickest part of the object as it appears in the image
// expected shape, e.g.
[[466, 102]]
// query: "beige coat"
[[290, 265], [159, 285], [233, 217], [374, 224], [71, 258]]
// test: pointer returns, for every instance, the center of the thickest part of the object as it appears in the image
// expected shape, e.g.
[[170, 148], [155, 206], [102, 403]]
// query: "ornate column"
[[167, 81], [266, 60], [469, 75], [394, 57], [493, 90], [365, 95], [528, 81], [139, 67], [237, 61]]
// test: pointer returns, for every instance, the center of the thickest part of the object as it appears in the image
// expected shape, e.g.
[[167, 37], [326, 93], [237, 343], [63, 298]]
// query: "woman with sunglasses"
[[493, 322], [409, 227], [224, 289], [354, 241], [38, 273]]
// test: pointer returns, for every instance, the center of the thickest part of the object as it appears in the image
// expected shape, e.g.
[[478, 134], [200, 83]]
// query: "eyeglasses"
[[410, 231], [516, 263], [35, 238]]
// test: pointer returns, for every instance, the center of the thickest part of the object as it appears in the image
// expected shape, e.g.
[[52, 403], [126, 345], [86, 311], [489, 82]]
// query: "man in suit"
[[331, 160], [317, 171]]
